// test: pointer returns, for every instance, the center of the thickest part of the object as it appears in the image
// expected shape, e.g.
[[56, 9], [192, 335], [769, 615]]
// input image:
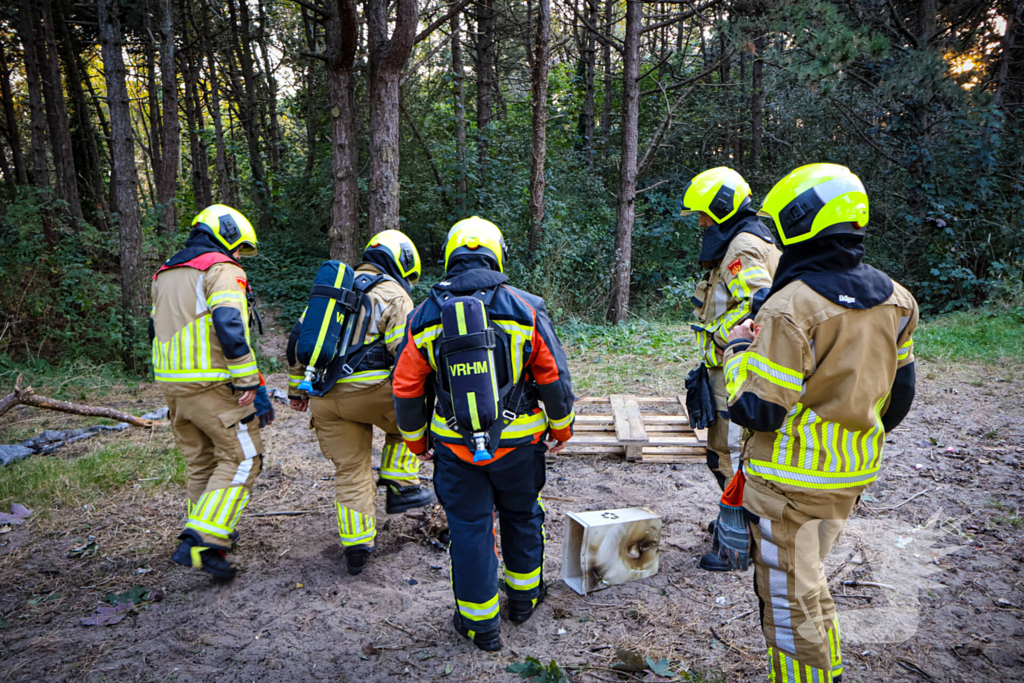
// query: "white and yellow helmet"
[[229, 227], [718, 192], [817, 200]]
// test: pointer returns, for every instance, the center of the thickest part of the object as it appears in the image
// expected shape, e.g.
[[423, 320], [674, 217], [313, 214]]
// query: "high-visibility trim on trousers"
[[784, 669], [399, 464], [217, 512], [522, 582], [479, 611], [355, 528]]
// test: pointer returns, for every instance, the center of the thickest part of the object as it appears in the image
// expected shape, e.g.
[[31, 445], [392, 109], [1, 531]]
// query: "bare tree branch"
[[440, 21]]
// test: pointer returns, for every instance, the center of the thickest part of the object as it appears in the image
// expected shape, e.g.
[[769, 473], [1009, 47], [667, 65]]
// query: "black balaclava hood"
[[199, 242], [385, 262], [832, 267], [717, 238], [469, 271]]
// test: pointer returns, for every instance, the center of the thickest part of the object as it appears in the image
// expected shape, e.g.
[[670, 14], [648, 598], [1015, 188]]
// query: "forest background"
[[574, 125]]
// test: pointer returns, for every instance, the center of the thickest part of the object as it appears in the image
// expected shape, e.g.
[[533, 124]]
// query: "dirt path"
[[294, 614]]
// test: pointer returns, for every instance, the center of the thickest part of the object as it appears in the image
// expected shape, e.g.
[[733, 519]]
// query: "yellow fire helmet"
[[718, 192], [229, 227], [399, 248], [817, 200], [476, 235]]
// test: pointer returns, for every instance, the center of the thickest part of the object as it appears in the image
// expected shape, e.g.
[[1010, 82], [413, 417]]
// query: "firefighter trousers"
[[222, 446], [725, 439], [344, 419], [470, 494], [792, 536]]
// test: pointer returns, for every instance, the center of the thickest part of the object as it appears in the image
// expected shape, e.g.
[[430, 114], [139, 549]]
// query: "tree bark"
[[170, 144], [57, 116], [484, 66], [341, 34], [309, 29], [5, 167], [13, 135], [590, 60], [133, 293], [202, 191], [459, 78], [606, 64], [1010, 75], [86, 152], [271, 86], [541, 60], [926, 28], [21, 396], [248, 107], [618, 305], [757, 106], [387, 57], [225, 193]]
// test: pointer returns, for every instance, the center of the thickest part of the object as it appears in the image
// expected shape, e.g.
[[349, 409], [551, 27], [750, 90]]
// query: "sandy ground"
[[294, 614]]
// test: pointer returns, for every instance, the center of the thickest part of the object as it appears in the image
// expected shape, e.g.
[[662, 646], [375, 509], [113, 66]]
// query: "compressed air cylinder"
[[325, 320], [470, 370]]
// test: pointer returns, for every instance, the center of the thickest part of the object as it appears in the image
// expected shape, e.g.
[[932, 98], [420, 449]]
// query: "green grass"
[[987, 335], [44, 482]]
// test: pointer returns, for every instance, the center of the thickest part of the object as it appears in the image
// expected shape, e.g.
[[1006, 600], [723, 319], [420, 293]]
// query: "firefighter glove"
[[700, 402], [264, 408]]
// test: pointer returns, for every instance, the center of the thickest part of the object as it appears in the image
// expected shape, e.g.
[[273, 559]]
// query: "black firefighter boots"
[[402, 498], [192, 553], [356, 556], [521, 610], [488, 641]]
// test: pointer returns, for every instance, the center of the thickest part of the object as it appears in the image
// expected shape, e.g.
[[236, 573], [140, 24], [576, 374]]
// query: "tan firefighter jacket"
[[725, 295], [826, 372], [201, 329]]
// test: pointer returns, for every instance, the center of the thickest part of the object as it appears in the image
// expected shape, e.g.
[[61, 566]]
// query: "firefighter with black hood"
[[204, 365], [822, 373], [355, 395], [739, 254], [488, 352]]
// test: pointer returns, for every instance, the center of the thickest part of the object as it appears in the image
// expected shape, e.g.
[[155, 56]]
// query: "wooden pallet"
[[618, 424]]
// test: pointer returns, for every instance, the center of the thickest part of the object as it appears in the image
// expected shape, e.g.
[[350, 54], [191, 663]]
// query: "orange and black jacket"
[[534, 349]]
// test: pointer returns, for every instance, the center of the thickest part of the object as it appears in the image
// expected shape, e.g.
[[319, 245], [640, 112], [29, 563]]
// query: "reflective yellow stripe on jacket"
[[186, 356], [815, 453]]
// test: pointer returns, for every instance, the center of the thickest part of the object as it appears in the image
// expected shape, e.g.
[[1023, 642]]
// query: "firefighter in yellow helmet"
[[739, 254], [355, 395], [821, 374], [204, 364]]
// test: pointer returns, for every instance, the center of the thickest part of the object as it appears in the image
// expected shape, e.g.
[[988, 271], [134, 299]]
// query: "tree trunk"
[[484, 65], [167, 178], [606, 64], [540, 122], [225, 194], [387, 58], [37, 113], [1010, 75], [152, 114], [309, 29], [202, 192], [133, 292], [86, 152], [271, 85], [248, 107], [5, 168], [590, 48], [756, 106], [57, 116], [618, 305], [926, 28], [459, 78], [340, 36], [13, 135]]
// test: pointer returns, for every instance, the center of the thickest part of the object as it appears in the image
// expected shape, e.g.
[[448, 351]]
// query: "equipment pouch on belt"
[[327, 326], [471, 376], [733, 533], [700, 401]]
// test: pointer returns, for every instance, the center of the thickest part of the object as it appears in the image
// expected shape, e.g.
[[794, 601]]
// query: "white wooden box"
[[607, 547]]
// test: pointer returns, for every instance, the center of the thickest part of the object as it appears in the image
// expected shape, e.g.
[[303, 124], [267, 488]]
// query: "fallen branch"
[[281, 513], [868, 584], [28, 397], [919, 493]]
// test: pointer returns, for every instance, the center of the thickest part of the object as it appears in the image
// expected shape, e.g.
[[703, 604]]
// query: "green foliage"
[[53, 481], [990, 335], [535, 672]]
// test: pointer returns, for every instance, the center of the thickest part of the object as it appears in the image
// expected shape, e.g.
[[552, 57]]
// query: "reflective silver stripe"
[[904, 321], [201, 306], [208, 528], [848, 478]]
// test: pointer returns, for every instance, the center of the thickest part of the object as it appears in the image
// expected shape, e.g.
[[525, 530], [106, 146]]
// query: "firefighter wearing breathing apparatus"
[[488, 352], [740, 256], [204, 365], [821, 374], [354, 392]]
